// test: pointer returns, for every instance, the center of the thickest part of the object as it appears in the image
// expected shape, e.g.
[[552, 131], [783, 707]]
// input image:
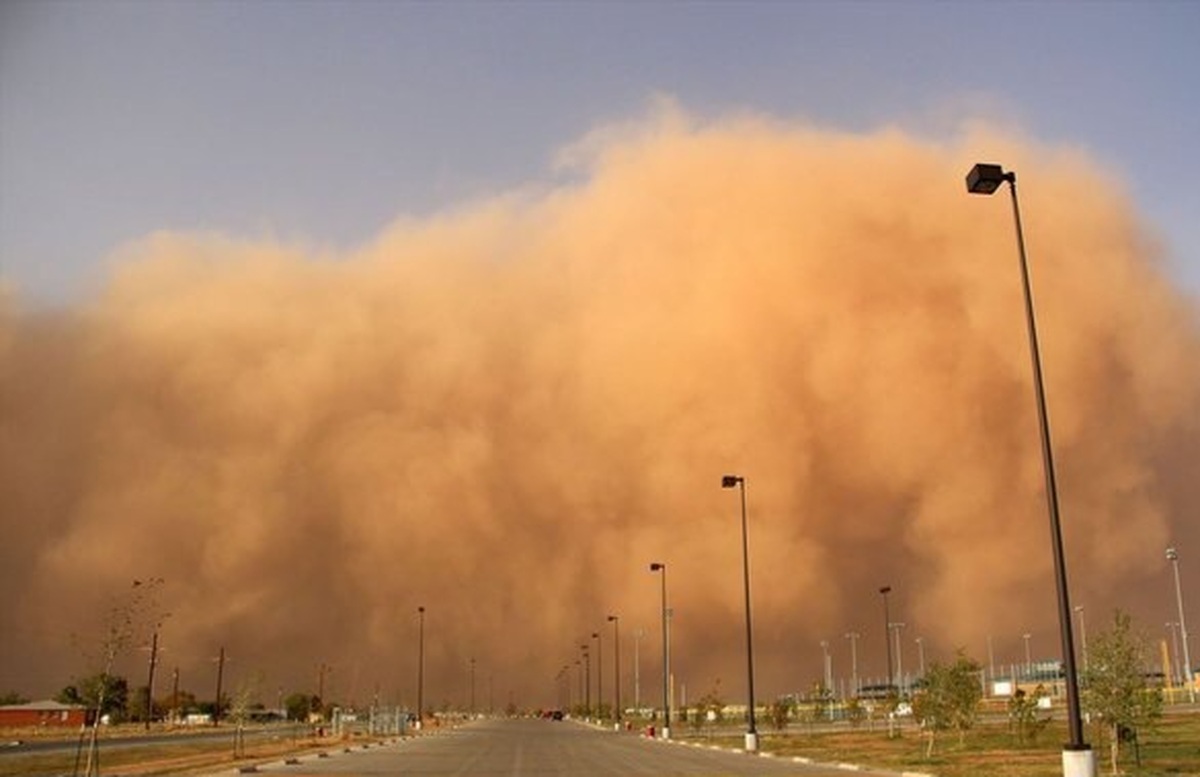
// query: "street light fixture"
[[658, 566], [887, 642], [616, 622], [1077, 757], [737, 481], [1188, 678]]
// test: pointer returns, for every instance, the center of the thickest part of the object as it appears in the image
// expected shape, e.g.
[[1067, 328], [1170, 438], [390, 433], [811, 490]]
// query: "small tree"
[[1115, 687], [856, 712], [950, 699], [1023, 715], [779, 712], [820, 703]]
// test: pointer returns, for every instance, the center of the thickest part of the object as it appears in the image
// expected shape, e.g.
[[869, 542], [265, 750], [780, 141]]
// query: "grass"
[[1171, 749], [181, 757]]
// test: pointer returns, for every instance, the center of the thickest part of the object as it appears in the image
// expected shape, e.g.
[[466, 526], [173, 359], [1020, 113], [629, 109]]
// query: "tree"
[[1023, 714], [780, 711], [950, 698], [107, 694], [300, 705], [820, 701], [12, 697], [1116, 690]]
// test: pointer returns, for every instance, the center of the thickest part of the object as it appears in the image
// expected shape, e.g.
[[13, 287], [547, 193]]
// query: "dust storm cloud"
[[504, 412]]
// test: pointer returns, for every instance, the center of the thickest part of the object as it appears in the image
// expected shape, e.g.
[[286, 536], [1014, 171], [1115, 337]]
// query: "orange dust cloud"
[[505, 412]]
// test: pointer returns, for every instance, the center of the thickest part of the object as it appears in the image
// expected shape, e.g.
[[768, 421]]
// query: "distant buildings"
[[43, 714]]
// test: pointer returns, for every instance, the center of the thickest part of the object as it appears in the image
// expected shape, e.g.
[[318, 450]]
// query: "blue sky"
[[322, 121]]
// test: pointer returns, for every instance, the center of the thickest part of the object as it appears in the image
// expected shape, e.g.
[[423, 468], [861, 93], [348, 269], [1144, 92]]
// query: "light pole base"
[[751, 742], [1079, 763], [666, 732]]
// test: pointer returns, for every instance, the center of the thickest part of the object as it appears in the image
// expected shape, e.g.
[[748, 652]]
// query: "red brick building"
[[42, 714]]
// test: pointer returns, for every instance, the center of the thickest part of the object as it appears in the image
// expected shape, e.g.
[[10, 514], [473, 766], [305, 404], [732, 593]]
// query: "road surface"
[[544, 747]]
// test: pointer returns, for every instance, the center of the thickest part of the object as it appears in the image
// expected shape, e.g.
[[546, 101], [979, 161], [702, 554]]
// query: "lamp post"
[[587, 681], [737, 481], [658, 566], [1188, 678], [1082, 635], [1078, 758], [420, 667], [899, 654], [616, 622], [853, 637], [637, 670], [921, 653], [599, 674], [887, 624], [472, 708], [1176, 677], [826, 666], [1028, 656]]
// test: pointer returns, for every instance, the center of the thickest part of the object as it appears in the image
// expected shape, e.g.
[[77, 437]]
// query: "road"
[[544, 747]]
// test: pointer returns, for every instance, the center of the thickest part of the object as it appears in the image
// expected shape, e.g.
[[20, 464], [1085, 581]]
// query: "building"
[[42, 714]]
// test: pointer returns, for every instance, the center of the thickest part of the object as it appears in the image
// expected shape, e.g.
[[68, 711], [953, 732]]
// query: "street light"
[[616, 622], [737, 481], [587, 681], [899, 655], [1176, 673], [420, 667], [827, 666], [887, 642], [666, 639], [1028, 656], [1188, 678], [853, 637], [921, 654], [1077, 757], [599, 675], [1082, 635]]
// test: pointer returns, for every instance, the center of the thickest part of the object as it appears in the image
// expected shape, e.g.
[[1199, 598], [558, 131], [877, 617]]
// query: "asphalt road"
[[543, 747]]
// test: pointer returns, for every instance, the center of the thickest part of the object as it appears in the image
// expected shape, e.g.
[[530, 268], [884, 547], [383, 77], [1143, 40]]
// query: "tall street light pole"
[[616, 622], [887, 625], [658, 566], [853, 637], [599, 674], [1082, 635], [921, 654], [737, 481], [899, 654], [637, 670], [587, 681], [1078, 758], [1188, 678], [420, 667], [1176, 673]]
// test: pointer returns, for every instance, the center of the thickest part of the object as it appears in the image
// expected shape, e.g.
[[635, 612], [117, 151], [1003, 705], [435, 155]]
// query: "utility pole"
[[150, 681], [220, 677], [175, 695]]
